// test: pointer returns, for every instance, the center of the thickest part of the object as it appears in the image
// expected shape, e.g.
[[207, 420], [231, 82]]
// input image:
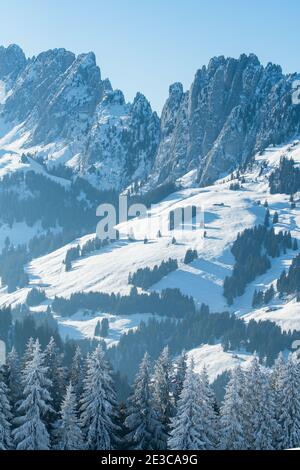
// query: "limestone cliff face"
[[60, 102], [233, 108]]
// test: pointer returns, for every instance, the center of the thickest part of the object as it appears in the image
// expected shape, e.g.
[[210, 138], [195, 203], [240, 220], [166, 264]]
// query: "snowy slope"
[[226, 212], [82, 325], [216, 360], [286, 315]]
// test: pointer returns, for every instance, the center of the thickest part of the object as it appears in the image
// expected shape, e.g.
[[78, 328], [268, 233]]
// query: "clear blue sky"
[[145, 45]]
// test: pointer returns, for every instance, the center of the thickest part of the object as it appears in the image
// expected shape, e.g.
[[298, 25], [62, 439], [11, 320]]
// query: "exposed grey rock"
[[233, 108], [12, 62], [36, 85], [123, 140], [68, 109]]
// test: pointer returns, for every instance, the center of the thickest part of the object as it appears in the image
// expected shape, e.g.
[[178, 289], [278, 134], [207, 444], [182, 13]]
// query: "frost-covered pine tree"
[[141, 420], [67, 429], [276, 378], [27, 356], [13, 377], [210, 419], [55, 373], [259, 409], [77, 373], [290, 404], [231, 422], [187, 426], [31, 432], [179, 376], [5, 417], [99, 405], [162, 398]]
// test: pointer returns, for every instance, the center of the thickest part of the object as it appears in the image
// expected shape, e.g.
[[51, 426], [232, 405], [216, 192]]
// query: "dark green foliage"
[[235, 186], [267, 218], [269, 294], [263, 337], [146, 277], [258, 298], [190, 256], [71, 255], [275, 218], [171, 302], [289, 283], [286, 178], [102, 328], [5, 325], [12, 261], [35, 297], [27, 327], [252, 250], [219, 386]]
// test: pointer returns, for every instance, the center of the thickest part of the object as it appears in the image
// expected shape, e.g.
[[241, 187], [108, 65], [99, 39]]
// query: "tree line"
[[44, 405], [170, 302], [252, 251], [286, 178]]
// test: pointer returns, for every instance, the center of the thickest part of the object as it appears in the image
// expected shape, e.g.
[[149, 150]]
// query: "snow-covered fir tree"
[[55, 373], [289, 417], [77, 372], [258, 409], [231, 421], [179, 376], [141, 420], [276, 378], [99, 405], [5, 416], [27, 356], [210, 419], [162, 398], [67, 429], [187, 426], [13, 377], [31, 432]]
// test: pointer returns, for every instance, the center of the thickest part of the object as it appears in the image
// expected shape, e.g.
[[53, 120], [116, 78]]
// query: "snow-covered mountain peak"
[[12, 61]]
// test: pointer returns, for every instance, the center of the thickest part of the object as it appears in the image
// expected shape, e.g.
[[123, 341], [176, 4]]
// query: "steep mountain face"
[[65, 113], [62, 106], [12, 62], [233, 108], [123, 139]]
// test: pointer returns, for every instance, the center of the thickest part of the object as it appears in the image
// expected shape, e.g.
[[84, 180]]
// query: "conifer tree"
[[289, 414], [187, 426], [31, 432], [276, 378], [258, 409], [208, 402], [231, 422], [28, 354], [162, 388], [77, 373], [179, 376], [55, 373], [13, 377], [5, 416], [99, 406], [67, 429], [141, 420]]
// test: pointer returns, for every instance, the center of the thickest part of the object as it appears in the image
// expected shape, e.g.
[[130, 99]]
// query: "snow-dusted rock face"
[[61, 100], [233, 108], [62, 107], [12, 62], [123, 140]]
